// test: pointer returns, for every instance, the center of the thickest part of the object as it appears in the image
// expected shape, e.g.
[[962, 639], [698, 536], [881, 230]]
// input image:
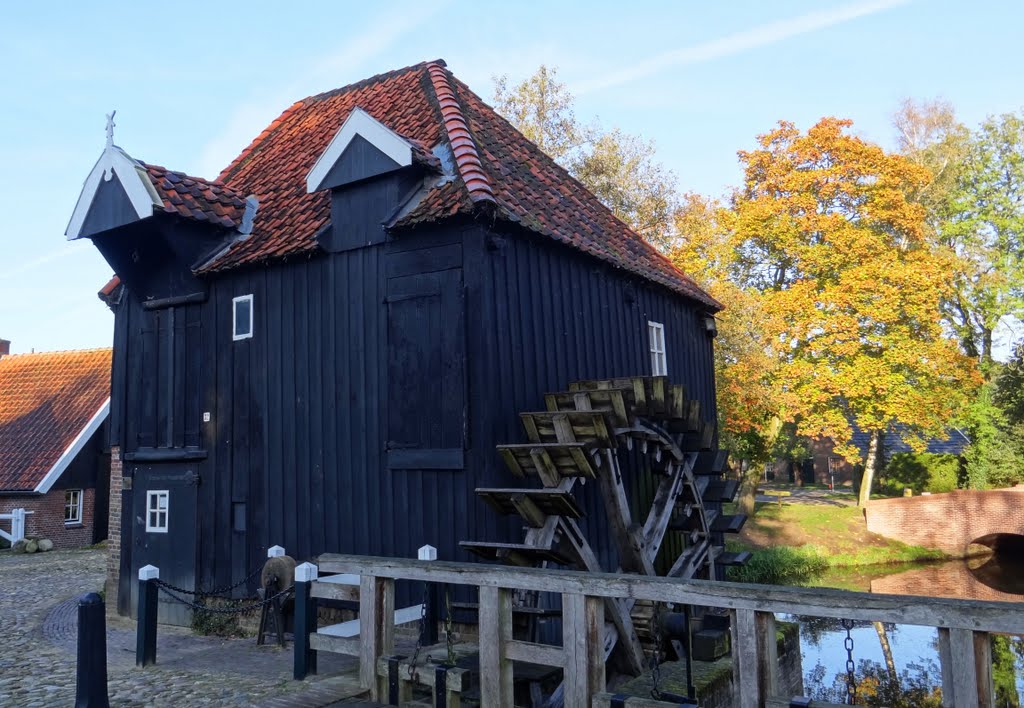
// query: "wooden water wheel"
[[640, 444]]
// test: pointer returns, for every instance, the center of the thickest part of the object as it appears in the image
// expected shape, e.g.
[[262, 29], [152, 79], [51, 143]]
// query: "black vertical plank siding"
[[299, 412]]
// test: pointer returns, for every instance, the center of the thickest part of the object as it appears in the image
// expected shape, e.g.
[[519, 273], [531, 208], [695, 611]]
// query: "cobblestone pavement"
[[38, 627]]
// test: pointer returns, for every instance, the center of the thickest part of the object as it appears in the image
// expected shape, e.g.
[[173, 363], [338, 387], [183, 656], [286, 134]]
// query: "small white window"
[[156, 510], [73, 506], [241, 319], [656, 337]]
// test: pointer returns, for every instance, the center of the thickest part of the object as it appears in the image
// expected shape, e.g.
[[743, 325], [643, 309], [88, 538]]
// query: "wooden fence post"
[[754, 657], [145, 637], [376, 628], [495, 629], [305, 621], [583, 644]]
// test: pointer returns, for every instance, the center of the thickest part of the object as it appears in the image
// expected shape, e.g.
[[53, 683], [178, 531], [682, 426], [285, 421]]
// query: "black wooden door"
[[164, 532], [426, 371]]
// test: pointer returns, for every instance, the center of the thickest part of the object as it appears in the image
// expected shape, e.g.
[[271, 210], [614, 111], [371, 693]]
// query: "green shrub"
[[781, 565], [922, 472]]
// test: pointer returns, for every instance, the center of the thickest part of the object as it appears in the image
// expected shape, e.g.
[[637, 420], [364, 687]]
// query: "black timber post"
[[305, 620], [91, 690], [145, 637], [428, 627]]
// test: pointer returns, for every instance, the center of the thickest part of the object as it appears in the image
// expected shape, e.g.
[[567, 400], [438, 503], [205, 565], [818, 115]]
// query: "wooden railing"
[[964, 626]]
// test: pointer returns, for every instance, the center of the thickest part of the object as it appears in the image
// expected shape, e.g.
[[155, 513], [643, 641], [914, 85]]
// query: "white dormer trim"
[[133, 177], [72, 450], [359, 122]]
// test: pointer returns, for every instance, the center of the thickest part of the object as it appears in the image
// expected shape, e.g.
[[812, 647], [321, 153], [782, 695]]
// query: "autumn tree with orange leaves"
[[849, 288]]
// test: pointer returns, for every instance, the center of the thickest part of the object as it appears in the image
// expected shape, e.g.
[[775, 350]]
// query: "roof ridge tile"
[[467, 158]]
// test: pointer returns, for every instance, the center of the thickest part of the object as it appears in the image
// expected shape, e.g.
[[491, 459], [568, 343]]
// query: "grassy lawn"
[[796, 542]]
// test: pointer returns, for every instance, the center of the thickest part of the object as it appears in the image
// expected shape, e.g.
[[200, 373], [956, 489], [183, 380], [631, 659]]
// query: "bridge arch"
[[953, 522]]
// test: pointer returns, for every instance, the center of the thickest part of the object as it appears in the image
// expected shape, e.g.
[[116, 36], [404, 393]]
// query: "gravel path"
[[38, 627]]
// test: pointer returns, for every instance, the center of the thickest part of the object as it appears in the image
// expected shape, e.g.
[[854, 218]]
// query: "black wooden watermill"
[[640, 445]]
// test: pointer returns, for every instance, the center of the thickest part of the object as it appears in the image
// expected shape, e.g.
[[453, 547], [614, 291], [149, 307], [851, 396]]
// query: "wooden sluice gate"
[[964, 629]]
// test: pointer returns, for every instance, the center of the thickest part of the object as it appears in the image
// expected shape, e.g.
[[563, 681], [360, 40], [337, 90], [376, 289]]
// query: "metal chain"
[[448, 624], [168, 590], [413, 670], [217, 591], [851, 678], [656, 654]]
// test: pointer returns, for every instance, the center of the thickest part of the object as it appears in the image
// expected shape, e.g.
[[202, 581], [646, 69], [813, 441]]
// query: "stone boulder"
[[31, 545], [45, 544], [19, 546]]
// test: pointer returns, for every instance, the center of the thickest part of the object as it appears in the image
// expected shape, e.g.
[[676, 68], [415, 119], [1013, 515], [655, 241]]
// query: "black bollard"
[[305, 621], [91, 690], [428, 627], [145, 630]]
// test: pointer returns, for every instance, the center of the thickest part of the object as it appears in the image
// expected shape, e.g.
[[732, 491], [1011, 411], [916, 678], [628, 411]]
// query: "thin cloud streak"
[[327, 72], [36, 262], [762, 36]]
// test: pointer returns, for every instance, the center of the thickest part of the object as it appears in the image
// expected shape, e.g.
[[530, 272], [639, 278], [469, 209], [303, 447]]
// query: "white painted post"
[[431, 613], [18, 524], [306, 573], [149, 572], [275, 552]]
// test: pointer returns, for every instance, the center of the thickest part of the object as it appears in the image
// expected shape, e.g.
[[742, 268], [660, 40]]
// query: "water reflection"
[[898, 665]]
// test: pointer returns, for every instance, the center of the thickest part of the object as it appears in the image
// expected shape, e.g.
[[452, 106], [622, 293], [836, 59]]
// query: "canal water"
[[913, 650]]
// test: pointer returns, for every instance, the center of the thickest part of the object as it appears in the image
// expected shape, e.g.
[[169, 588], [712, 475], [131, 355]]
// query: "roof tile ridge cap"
[[274, 125], [463, 145]]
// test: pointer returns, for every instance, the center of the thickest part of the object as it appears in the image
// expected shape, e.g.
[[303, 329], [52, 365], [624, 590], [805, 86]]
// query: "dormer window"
[[241, 321]]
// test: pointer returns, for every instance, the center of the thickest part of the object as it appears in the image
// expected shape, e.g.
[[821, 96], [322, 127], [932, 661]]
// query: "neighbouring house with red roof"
[[322, 346], [54, 459]]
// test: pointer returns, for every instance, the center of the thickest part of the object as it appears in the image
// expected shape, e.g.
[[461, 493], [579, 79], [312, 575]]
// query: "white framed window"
[[157, 502], [73, 506], [656, 339], [241, 317]]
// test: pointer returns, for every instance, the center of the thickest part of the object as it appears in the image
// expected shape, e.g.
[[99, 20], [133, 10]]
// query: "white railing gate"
[[17, 519]]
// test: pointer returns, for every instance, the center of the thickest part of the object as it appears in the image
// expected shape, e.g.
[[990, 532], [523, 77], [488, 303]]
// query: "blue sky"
[[193, 83]]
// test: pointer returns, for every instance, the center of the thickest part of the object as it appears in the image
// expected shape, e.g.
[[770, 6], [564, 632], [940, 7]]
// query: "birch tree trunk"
[[870, 467]]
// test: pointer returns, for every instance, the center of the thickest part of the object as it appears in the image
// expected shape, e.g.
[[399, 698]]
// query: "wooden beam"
[[495, 630], [976, 615], [628, 536], [662, 507], [745, 662], [377, 627], [534, 653], [767, 654], [530, 512], [336, 645], [965, 677], [335, 591], [983, 670], [617, 610], [583, 644]]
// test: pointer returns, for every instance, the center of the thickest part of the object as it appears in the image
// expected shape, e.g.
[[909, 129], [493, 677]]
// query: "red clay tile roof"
[[46, 400], [497, 166], [197, 198]]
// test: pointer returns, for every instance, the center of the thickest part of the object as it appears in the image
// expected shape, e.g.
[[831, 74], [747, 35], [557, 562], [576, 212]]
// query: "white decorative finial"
[[110, 128]]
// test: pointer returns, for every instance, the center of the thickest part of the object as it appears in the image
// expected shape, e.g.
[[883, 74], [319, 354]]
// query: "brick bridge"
[[951, 522]]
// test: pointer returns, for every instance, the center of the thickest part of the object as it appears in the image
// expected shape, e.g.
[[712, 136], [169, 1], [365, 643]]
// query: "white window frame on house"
[[235, 336], [157, 516], [656, 344], [73, 506]]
